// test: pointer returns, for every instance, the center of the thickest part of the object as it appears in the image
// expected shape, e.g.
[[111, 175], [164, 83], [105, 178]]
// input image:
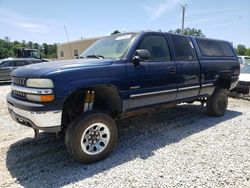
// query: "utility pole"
[[183, 9]]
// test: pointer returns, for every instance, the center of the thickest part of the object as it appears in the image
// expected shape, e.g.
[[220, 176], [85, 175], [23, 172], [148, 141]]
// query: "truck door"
[[153, 80], [187, 67]]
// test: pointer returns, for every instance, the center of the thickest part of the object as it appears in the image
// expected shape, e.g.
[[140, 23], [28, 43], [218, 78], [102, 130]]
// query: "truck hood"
[[39, 69]]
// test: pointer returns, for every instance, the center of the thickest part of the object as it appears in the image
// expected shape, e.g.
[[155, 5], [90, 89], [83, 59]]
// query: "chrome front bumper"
[[49, 121]]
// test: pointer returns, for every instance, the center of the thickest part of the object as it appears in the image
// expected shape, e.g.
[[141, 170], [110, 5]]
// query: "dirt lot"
[[178, 147]]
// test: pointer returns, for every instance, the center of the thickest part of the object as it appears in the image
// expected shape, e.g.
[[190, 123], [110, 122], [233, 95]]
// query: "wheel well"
[[224, 82], [106, 99]]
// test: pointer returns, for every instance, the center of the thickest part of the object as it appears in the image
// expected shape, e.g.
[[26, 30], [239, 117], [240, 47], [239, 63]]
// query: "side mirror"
[[141, 55]]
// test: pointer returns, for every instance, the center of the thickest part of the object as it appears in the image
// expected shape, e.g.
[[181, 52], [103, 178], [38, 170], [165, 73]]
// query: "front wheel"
[[91, 137], [217, 103]]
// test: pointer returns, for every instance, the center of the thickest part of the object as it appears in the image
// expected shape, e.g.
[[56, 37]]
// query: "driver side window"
[[157, 47]]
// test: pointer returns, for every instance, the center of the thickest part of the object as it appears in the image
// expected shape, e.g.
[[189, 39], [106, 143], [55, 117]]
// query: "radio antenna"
[[183, 9], [68, 41]]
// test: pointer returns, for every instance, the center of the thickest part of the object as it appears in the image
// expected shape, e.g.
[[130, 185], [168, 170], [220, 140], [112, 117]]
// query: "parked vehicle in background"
[[29, 53], [9, 64], [244, 60], [118, 75], [244, 81]]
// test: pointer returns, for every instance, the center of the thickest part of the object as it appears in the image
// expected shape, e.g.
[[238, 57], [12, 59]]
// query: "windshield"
[[32, 53], [112, 47], [246, 69]]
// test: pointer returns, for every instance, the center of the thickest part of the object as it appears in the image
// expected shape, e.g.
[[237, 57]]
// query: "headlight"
[[40, 98], [40, 83]]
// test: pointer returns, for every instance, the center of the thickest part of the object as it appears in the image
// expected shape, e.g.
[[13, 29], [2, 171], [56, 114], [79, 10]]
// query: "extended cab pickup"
[[118, 75]]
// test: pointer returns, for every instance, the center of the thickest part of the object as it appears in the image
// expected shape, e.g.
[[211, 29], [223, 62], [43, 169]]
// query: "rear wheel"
[[91, 137], [217, 103]]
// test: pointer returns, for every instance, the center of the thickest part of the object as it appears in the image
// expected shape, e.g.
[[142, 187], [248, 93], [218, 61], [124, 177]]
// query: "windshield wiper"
[[95, 56]]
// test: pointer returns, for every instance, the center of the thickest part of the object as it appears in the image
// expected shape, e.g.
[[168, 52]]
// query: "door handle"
[[172, 70]]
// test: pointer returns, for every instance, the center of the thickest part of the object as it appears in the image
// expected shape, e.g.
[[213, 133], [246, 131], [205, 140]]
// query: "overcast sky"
[[43, 21]]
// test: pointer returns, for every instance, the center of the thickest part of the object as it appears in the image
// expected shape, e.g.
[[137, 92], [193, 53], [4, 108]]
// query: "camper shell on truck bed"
[[118, 75]]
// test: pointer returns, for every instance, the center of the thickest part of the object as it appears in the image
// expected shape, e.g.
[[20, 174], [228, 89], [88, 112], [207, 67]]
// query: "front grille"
[[19, 81], [19, 95]]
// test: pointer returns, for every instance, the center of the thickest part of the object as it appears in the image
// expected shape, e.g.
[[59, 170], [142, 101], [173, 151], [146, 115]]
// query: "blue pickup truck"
[[118, 75]]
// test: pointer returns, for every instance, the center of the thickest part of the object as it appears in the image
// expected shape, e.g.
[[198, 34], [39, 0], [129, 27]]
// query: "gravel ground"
[[177, 147]]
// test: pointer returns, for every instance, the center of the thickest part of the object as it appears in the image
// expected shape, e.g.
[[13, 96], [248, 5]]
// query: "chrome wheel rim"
[[95, 139]]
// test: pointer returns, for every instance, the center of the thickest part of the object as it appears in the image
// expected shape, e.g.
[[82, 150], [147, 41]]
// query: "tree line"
[[242, 50], [189, 31], [10, 49]]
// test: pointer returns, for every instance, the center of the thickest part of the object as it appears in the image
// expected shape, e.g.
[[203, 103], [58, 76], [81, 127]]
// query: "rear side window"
[[157, 46], [215, 48], [7, 64], [183, 48], [4, 64]]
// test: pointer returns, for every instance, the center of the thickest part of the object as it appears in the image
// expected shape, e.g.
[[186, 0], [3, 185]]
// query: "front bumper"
[[38, 116]]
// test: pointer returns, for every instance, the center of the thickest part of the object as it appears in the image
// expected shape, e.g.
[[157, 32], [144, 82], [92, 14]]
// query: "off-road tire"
[[217, 103]]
